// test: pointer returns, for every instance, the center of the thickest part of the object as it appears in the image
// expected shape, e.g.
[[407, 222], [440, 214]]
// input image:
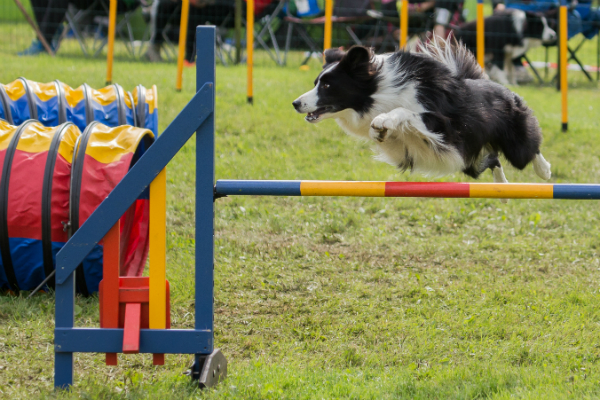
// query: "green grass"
[[349, 297], [9, 12]]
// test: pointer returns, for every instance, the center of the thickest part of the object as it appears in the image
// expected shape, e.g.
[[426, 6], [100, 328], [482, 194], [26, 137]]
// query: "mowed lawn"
[[349, 297]]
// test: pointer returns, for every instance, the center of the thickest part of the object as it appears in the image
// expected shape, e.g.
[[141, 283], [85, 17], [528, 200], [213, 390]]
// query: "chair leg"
[[307, 39], [275, 45], [573, 56], [537, 75], [546, 65], [80, 39], [288, 40], [353, 35], [376, 33]]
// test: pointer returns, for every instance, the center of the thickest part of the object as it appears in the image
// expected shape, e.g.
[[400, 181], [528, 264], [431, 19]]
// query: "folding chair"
[[170, 34], [97, 13], [388, 20], [572, 56], [588, 29], [264, 21], [345, 13]]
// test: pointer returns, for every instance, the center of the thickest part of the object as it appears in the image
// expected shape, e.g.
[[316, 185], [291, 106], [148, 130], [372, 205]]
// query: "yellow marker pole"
[[563, 66], [480, 35], [158, 251], [250, 45], [183, 26], [403, 23], [112, 23], [328, 24]]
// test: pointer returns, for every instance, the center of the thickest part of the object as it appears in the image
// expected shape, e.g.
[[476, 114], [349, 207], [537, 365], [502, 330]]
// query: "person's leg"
[[197, 17], [162, 12], [442, 16], [49, 15]]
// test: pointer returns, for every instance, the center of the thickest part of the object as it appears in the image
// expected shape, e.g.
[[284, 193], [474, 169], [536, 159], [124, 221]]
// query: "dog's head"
[[348, 81]]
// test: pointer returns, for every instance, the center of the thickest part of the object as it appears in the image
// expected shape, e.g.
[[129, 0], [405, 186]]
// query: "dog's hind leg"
[[541, 167]]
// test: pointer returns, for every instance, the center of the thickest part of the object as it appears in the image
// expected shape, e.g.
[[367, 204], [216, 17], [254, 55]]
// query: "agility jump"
[[198, 117]]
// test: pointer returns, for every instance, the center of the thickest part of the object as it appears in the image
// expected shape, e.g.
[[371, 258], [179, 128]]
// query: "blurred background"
[[287, 32]]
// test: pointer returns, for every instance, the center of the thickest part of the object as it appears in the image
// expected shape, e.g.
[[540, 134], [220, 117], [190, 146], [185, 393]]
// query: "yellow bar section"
[[112, 23], [158, 251], [403, 23], [511, 191], [250, 45], [183, 25], [480, 36], [563, 66], [333, 188], [328, 24]]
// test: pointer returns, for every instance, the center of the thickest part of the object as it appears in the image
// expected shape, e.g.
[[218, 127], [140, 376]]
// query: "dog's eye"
[[325, 86]]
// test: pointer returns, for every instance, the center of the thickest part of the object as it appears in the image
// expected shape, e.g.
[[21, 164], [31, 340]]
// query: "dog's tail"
[[455, 56]]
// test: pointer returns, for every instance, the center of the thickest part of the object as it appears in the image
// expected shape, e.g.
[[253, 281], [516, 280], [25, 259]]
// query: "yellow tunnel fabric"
[[108, 145]]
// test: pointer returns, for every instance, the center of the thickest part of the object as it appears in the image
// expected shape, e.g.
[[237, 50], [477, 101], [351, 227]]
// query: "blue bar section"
[[261, 188], [577, 192], [97, 340], [135, 182]]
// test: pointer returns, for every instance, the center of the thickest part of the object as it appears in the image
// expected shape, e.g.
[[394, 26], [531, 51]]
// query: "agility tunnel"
[[52, 179], [55, 103]]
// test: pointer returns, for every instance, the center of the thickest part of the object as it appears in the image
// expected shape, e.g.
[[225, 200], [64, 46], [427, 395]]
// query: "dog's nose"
[[296, 104]]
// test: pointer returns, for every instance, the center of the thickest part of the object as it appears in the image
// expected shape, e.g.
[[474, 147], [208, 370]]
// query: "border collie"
[[433, 113], [509, 34]]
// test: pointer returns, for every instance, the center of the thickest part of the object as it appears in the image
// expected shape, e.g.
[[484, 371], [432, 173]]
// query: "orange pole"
[[328, 24], [480, 35], [403, 23], [563, 66], [250, 45], [183, 26], [112, 23]]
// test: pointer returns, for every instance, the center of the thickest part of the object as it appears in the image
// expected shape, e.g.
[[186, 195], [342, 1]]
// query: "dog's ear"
[[333, 55], [358, 57]]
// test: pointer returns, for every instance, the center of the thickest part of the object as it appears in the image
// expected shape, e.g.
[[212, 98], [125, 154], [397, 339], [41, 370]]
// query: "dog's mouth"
[[315, 115]]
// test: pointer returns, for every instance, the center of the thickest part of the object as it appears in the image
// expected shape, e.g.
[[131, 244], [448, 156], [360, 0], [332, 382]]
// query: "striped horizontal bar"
[[409, 189]]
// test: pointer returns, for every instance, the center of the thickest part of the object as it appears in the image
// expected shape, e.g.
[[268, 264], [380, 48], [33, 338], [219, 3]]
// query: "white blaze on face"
[[308, 101]]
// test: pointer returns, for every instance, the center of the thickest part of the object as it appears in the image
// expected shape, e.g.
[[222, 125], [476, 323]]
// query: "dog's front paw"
[[381, 128]]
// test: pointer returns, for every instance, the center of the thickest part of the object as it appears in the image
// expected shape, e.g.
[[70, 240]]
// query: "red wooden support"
[[131, 332], [110, 284], [133, 311]]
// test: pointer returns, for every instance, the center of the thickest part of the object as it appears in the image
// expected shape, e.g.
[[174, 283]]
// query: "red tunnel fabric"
[[40, 169]]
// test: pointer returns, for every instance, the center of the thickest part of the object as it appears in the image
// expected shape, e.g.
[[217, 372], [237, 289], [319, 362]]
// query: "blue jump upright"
[[197, 116]]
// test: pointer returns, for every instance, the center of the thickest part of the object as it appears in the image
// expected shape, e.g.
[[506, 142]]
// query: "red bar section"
[[426, 189], [131, 331]]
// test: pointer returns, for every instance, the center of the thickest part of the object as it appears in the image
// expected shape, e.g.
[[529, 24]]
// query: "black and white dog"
[[509, 34], [433, 113]]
